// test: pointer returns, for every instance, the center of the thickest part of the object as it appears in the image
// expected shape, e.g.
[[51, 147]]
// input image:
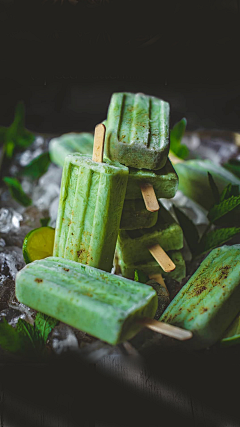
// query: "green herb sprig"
[[221, 226], [25, 339]]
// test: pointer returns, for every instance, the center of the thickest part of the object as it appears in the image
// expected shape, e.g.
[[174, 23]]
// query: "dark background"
[[65, 59]]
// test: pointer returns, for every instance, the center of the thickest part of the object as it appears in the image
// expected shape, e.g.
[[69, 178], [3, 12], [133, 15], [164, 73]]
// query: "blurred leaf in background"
[[176, 134]]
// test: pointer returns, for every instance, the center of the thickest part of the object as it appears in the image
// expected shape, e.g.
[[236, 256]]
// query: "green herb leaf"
[[17, 133], [37, 167], [44, 324], [32, 340], [176, 134], [140, 276], [9, 337], [189, 229], [45, 221], [9, 148], [216, 238], [17, 192], [230, 190], [214, 188], [221, 209]]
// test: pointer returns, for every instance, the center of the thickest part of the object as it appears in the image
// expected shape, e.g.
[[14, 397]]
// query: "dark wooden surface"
[[172, 388]]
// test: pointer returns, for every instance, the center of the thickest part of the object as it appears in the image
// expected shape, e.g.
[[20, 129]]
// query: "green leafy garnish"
[[45, 221], [16, 133], [215, 238], [230, 190], [44, 324], [176, 147], [140, 276], [10, 339], [214, 188], [16, 191], [37, 167], [189, 229], [15, 137], [224, 207], [27, 339]]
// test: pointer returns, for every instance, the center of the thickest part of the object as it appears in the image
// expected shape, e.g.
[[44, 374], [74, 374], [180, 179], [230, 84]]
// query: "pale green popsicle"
[[164, 182], [135, 215], [138, 130], [69, 143], [89, 212], [101, 304], [152, 267], [210, 300], [132, 245]]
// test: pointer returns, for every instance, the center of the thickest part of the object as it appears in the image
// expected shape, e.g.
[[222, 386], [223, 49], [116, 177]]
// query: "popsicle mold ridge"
[[138, 130], [102, 304], [210, 300], [90, 208]]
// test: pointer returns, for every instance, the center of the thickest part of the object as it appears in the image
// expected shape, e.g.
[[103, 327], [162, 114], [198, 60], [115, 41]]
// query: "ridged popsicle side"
[[99, 303], [210, 300], [135, 215], [164, 182], [152, 267], [138, 130], [70, 143], [90, 209]]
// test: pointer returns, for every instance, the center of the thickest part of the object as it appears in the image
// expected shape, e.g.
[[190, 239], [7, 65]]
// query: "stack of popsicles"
[[137, 136], [98, 197]]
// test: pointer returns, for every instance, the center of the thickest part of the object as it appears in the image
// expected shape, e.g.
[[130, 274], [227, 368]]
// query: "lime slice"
[[38, 244], [232, 334]]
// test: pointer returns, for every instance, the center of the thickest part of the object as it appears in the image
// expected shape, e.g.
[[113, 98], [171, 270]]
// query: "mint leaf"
[[9, 337], [230, 190], [176, 134], [45, 221], [140, 276], [37, 167], [216, 238], [214, 188], [44, 324], [17, 133], [17, 192], [190, 231], [32, 340], [221, 209]]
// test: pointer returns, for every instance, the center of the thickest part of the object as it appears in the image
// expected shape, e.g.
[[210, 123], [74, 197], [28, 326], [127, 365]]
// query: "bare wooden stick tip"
[[162, 258], [149, 197], [98, 144]]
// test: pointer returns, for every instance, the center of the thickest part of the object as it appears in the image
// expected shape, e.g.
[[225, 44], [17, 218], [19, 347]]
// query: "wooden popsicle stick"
[[158, 278], [166, 329], [149, 197], [162, 258], [98, 144]]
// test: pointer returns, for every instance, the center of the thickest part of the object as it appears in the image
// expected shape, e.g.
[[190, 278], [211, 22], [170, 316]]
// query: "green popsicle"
[[90, 209], [135, 215], [132, 245], [210, 300], [138, 130], [164, 182], [152, 267], [68, 143], [104, 305]]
